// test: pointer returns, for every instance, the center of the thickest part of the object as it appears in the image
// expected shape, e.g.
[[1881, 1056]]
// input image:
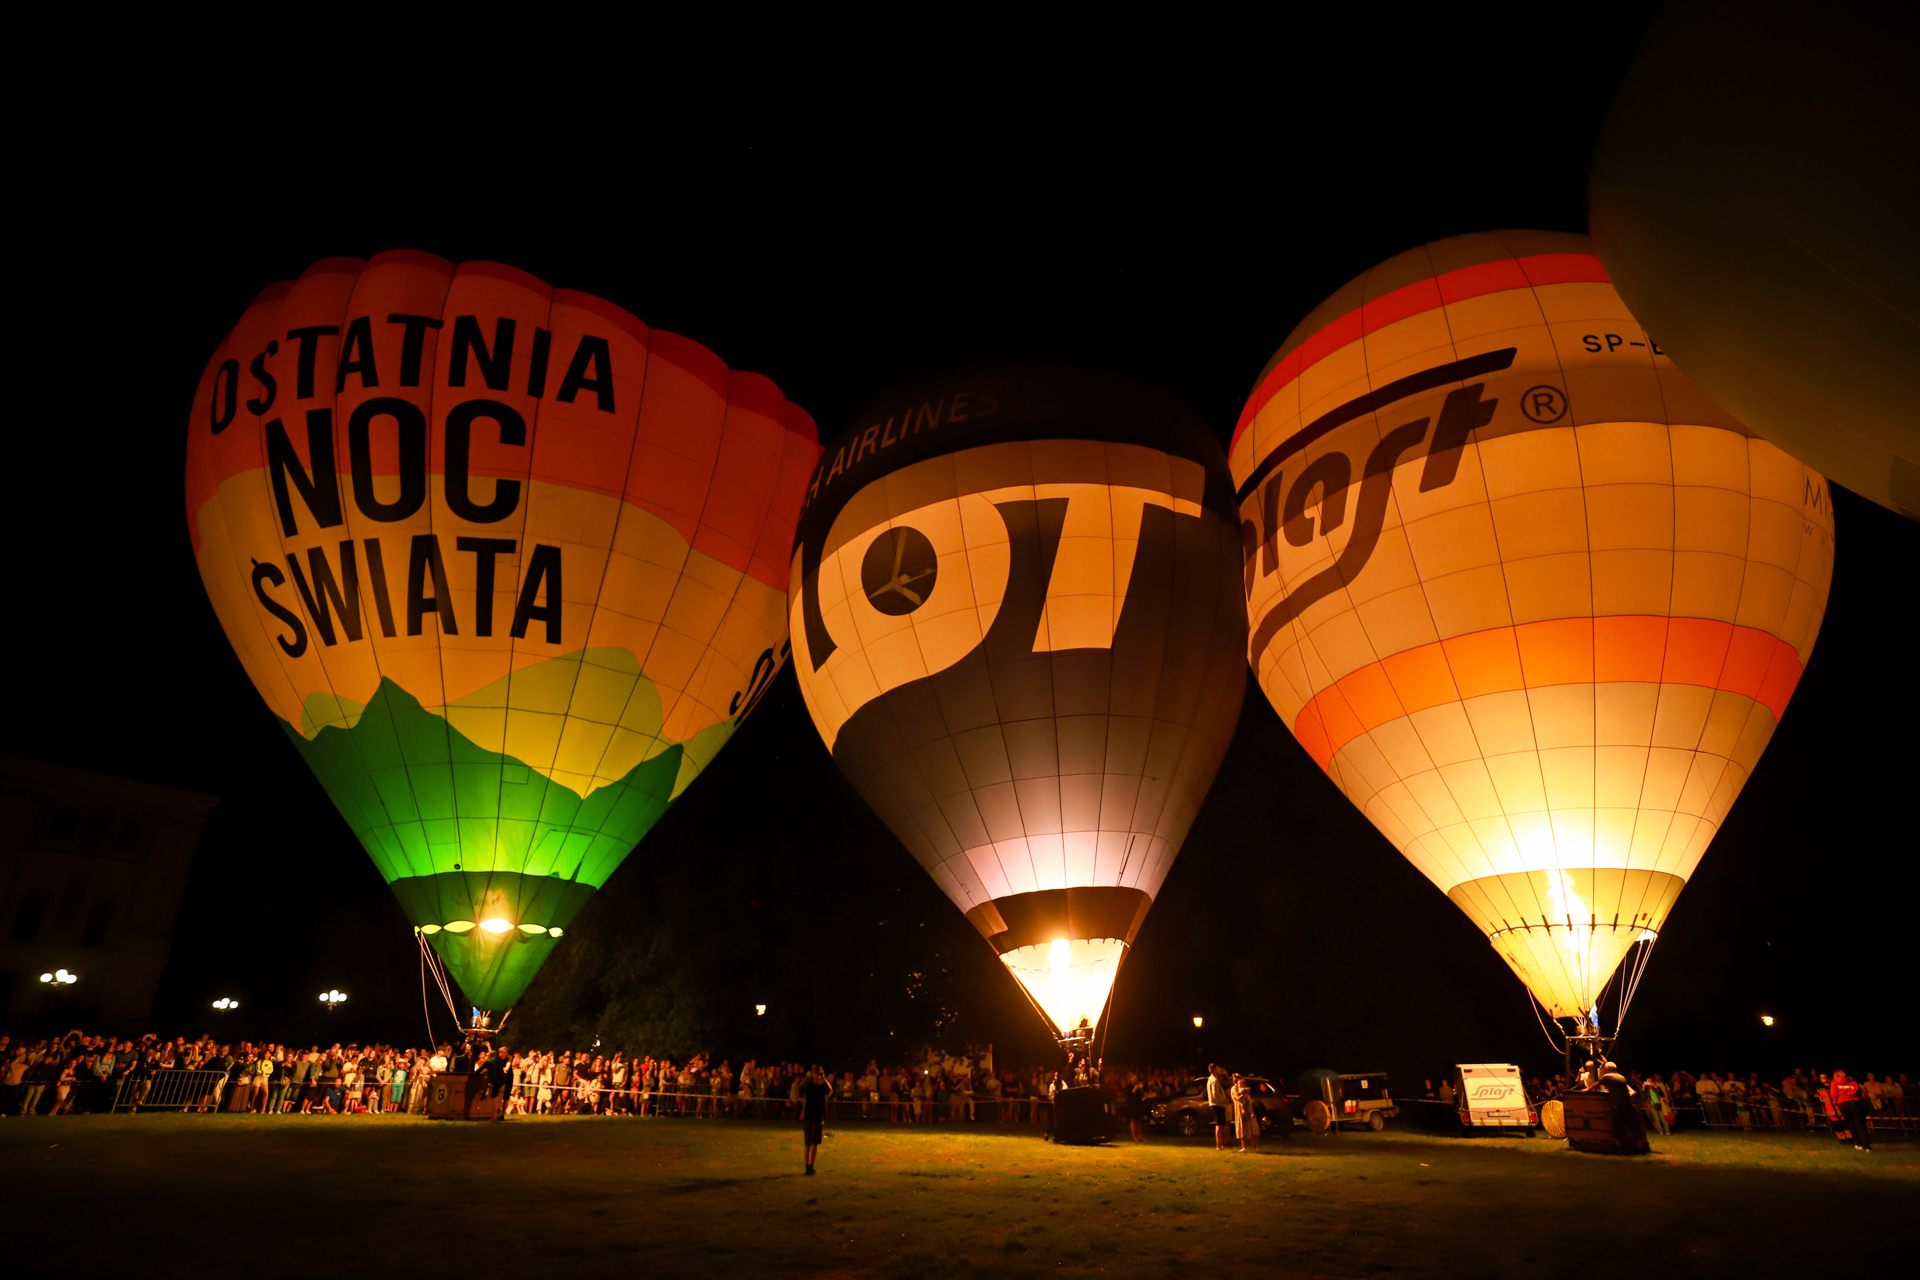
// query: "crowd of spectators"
[[80, 1073], [1803, 1098]]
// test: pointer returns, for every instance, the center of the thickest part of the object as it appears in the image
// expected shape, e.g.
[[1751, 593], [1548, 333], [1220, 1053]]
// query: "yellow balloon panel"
[[1070, 979], [1531, 600]]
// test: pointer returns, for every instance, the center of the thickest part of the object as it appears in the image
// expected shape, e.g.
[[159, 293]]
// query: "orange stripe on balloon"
[[1413, 299], [1629, 649], [1535, 655], [1484, 661]]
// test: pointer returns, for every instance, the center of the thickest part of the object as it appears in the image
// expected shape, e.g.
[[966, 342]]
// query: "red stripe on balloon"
[[1412, 300]]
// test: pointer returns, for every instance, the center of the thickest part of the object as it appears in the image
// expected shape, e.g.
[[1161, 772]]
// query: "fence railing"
[[528, 1097], [1788, 1114], [172, 1091], [182, 1090]]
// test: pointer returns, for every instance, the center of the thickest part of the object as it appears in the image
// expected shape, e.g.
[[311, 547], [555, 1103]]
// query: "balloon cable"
[[440, 978], [426, 1008], [1534, 1001], [1632, 983]]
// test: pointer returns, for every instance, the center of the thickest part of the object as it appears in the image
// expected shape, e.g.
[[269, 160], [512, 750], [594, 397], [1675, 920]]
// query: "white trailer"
[[1489, 1096]]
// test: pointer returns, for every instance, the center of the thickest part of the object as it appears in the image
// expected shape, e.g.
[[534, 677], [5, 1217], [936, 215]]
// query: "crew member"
[[499, 1076], [1629, 1134]]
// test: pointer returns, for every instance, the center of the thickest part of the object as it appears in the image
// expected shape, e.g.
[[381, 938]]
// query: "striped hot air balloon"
[[1532, 600], [1019, 633], [507, 565]]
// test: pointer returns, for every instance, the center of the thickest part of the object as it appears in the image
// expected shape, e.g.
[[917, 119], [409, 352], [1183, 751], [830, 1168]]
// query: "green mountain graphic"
[[466, 834]]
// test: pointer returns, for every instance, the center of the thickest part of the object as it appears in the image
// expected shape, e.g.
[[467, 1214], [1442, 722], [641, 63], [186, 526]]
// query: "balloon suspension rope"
[[1113, 998], [1547, 1028], [426, 1009], [1632, 983], [432, 962]]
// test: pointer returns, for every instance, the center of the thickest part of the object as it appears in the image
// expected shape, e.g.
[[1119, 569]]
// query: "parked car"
[[1188, 1113]]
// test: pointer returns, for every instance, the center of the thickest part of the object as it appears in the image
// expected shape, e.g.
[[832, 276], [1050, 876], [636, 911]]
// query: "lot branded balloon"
[[1532, 600], [1019, 632], [508, 566]]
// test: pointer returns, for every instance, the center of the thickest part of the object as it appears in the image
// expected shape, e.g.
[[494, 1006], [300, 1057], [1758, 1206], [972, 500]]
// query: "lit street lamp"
[[759, 1011], [225, 1003], [1766, 1019], [332, 998], [60, 977], [1198, 1022]]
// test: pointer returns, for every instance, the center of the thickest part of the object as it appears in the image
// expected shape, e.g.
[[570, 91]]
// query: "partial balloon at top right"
[[1756, 199], [1532, 601]]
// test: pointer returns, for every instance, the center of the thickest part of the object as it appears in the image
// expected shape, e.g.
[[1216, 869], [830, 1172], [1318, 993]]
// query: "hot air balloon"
[[1531, 600], [1754, 199], [507, 565], [1019, 633]]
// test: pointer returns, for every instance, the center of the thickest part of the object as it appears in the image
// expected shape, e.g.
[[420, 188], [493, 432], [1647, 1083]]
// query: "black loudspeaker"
[[1080, 1116]]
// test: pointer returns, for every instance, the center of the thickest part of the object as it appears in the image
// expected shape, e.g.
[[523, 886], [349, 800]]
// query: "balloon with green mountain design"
[[508, 566]]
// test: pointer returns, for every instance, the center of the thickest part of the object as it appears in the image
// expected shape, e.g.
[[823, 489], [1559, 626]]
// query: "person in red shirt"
[[1845, 1094]]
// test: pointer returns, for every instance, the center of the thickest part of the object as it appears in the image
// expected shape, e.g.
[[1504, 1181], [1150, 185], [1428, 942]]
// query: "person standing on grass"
[[1218, 1098], [1246, 1120], [38, 1078], [813, 1113], [1845, 1092]]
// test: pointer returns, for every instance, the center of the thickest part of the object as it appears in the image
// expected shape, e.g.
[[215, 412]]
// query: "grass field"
[[309, 1196]]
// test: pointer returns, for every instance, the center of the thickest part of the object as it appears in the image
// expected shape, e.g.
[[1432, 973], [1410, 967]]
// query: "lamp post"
[[60, 978], [1199, 1048], [759, 1011], [226, 1003], [331, 998]]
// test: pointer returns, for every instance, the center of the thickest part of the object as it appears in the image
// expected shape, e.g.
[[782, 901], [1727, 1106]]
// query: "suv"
[[1189, 1114]]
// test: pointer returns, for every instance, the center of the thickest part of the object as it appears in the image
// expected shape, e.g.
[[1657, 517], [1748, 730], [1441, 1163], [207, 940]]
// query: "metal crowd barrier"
[[172, 1091], [670, 1102], [1789, 1116]]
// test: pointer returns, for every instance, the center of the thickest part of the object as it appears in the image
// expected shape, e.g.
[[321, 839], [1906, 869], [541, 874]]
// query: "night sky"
[[1173, 209]]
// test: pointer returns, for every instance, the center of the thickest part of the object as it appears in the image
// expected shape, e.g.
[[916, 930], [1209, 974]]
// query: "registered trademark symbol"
[[1544, 404]]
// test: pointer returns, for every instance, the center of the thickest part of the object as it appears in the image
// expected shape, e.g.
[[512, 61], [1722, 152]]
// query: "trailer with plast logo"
[[1490, 1097]]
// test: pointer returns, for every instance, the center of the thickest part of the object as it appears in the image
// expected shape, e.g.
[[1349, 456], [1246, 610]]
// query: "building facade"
[[92, 868]]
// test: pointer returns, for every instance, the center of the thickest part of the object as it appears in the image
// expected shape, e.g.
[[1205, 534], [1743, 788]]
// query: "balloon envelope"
[[507, 565], [1532, 601], [1755, 196], [1019, 633]]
